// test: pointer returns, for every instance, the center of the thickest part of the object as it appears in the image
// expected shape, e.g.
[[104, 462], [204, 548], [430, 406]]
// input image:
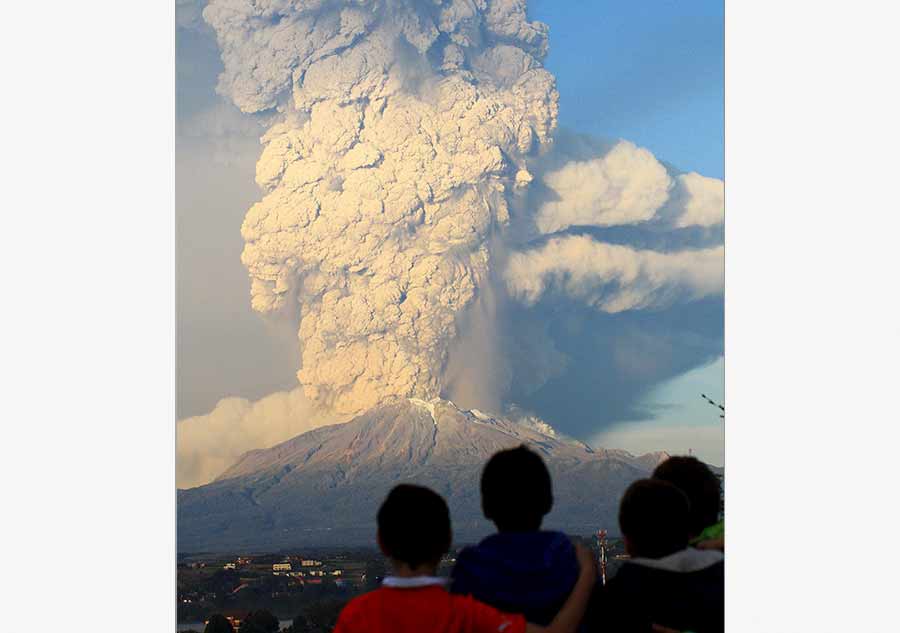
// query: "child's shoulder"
[[360, 604]]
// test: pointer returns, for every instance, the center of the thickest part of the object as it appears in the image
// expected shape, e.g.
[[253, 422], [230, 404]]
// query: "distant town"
[[312, 584], [283, 583]]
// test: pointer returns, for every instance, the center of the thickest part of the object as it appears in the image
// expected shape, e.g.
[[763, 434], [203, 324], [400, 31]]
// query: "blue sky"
[[650, 71], [682, 421]]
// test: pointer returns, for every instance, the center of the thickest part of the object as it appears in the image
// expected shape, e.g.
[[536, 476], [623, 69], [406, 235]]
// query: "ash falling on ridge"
[[410, 171]]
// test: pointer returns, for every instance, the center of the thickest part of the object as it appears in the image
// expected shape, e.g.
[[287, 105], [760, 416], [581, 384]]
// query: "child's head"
[[516, 491], [653, 518], [699, 483], [414, 526]]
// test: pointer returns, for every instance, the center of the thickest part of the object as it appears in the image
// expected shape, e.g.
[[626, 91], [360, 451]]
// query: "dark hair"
[[516, 491], [653, 516], [414, 525], [701, 486], [261, 621], [218, 623]]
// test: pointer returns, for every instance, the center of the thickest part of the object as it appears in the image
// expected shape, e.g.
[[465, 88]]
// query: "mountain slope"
[[324, 486]]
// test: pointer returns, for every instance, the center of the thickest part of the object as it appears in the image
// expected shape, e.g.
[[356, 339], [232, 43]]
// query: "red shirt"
[[430, 609]]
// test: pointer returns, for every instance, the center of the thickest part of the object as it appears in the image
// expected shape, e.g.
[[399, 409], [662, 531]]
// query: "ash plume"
[[413, 184], [402, 126]]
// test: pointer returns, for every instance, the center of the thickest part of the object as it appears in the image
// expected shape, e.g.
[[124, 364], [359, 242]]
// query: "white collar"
[[411, 583], [687, 560]]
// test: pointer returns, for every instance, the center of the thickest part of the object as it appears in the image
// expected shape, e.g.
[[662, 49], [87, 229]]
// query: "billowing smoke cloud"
[[700, 201], [614, 278], [208, 444], [628, 185], [620, 186], [408, 164], [403, 125]]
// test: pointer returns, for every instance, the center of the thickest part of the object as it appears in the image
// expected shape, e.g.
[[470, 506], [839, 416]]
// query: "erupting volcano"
[[416, 197]]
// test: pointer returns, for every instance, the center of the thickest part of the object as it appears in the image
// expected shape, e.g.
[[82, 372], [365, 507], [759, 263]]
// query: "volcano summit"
[[323, 487]]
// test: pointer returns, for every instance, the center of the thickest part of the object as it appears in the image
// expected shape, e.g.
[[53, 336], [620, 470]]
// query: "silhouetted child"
[[414, 533], [218, 623], [521, 568], [703, 491], [665, 582]]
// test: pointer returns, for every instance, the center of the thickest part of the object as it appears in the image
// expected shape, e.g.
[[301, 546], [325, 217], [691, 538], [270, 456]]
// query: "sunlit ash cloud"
[[614, 278]]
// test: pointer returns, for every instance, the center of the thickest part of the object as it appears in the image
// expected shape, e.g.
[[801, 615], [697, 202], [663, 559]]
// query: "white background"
[[812, 317]]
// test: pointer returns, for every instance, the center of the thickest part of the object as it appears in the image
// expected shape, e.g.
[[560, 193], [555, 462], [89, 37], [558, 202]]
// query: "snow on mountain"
[[324, 486]]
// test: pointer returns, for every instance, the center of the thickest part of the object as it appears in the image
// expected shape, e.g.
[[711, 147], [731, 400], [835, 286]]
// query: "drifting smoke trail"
[[626, 186], [614, 278], [209, 444]]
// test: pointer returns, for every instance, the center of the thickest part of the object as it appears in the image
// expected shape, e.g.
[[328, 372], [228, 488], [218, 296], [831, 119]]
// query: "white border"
[[89, 316], [811, 315]]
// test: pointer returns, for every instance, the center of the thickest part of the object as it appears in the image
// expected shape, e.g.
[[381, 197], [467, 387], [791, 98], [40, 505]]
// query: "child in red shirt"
[[414, 532]]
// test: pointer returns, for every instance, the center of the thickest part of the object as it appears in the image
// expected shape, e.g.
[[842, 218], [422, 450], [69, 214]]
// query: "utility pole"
[[601, 540]]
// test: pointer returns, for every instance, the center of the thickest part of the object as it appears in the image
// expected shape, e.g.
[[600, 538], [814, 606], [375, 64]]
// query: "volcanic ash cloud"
[[208, 444], [614, 278], [627, 186], [401, 126]]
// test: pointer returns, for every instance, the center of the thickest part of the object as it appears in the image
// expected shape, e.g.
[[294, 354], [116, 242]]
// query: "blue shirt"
[[531, 573]]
